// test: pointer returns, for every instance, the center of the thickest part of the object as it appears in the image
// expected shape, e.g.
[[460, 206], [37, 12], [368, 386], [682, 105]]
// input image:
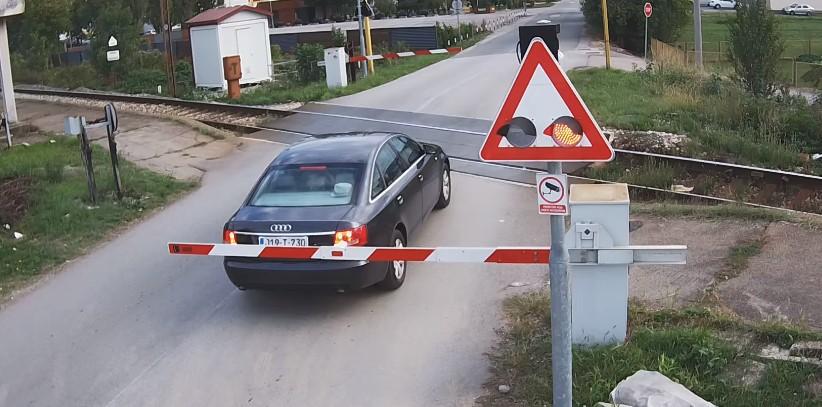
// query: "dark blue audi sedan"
[[364, 189]]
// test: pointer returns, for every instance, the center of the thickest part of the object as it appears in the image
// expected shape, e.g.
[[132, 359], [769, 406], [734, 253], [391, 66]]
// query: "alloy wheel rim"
[[446, 185], [399, 265]]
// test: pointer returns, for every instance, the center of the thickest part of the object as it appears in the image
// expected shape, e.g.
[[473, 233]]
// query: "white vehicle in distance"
[[799, 9], [718, 4]]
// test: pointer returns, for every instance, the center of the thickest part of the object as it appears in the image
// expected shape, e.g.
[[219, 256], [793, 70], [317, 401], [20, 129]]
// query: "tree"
[[387, 7], [755, 46], [35, 33], [626, 20], [330, 7], [102, 19]]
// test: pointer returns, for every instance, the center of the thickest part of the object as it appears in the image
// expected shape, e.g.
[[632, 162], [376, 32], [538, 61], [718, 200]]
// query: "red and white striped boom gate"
[[397, 55], [502, 255]]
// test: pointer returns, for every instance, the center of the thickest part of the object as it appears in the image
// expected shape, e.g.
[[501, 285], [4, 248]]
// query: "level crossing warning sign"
[[543, 117]]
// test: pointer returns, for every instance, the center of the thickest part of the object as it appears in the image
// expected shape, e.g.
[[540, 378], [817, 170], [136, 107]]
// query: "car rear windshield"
[[307, 185]]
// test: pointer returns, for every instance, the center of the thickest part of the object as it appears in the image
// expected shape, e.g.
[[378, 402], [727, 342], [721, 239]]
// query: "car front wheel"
[[445, 189], [717, 7], [395, 275]]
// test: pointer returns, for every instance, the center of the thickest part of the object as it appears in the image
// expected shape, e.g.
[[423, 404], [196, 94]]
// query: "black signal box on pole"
[[548, 32]]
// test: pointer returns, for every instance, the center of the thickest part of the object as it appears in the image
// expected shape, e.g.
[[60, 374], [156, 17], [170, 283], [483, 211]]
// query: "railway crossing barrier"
[[501, 255], [599, 255]]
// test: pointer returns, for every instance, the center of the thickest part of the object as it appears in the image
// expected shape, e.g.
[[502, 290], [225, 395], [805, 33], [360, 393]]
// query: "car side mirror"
[[429, 149]]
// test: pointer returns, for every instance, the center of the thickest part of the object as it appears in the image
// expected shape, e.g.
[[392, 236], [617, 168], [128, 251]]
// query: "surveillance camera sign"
[[552, 194], [12, 7]]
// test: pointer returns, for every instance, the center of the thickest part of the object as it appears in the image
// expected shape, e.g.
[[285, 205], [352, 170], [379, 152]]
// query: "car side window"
[[409, 149], [389, 164], [377, 183]]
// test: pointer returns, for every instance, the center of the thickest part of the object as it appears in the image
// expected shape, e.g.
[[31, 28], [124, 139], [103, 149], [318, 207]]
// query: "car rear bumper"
[[252, 273]]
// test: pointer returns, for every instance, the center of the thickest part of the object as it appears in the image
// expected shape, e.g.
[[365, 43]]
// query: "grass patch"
[[280, 92], [689, 346], [723, 122], [738, 257], [723, 211], [57, 221], [651, 173]]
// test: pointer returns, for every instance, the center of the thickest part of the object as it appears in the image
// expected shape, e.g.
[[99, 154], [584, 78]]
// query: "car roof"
[[335, 148]]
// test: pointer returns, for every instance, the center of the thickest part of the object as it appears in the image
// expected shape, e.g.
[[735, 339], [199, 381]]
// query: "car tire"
[[445, 189], [395, 275], [792, 13], [717, 7]]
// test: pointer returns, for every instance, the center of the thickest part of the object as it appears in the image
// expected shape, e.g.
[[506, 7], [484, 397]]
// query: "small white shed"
[[228, 31]]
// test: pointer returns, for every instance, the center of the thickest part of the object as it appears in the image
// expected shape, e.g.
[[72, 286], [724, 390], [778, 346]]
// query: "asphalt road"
[[473, 83], [129, 325]]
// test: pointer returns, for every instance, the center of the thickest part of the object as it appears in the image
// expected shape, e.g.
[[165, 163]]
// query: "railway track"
[[710, 180]]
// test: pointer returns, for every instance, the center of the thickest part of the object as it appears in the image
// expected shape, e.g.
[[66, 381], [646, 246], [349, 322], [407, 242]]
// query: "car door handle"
[[400, 200], [420, 177]]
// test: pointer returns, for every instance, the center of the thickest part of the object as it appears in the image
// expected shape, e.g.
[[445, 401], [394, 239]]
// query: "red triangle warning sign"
[[543, 118]]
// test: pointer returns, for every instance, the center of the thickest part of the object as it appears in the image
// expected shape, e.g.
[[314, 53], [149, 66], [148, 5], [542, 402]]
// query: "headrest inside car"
[[342, 189]]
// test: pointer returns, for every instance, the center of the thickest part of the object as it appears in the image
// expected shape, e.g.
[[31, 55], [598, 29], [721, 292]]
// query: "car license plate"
[[283, 241]]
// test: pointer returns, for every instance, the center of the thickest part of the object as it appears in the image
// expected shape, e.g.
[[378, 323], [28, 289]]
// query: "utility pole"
[[165, 16], [607, 35], [697, 34], [362, 38]]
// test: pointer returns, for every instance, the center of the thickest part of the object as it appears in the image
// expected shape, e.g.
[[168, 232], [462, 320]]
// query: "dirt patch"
[[708, 241], [14, 199], [658, 142], [782, 282]]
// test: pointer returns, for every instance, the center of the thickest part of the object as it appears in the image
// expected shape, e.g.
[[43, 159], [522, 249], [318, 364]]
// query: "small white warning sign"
[[552, 194]]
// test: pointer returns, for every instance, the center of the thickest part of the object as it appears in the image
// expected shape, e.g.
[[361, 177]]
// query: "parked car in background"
[[799, 9], [718, 4]]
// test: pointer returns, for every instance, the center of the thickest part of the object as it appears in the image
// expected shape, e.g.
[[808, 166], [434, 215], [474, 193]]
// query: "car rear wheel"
[[395, 275], [445, 189], [717, 6]]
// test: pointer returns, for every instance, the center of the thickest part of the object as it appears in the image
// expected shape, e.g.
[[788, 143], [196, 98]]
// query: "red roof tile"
[[216, 15]]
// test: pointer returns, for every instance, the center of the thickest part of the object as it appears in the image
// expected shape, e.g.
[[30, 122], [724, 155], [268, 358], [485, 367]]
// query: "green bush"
[[810, 58], [338, 37], [143, 81], [78, 76], [276, 53], [150, 60], [814, 75], [307, 57], [184, 76], [446, 34], [626, 23]]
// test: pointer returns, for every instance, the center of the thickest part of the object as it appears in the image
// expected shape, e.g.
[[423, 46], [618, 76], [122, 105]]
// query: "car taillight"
[[357, 236], [229, 237]]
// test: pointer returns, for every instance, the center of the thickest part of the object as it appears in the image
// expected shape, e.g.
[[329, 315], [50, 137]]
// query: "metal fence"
[[790, 70], [793, 48]]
